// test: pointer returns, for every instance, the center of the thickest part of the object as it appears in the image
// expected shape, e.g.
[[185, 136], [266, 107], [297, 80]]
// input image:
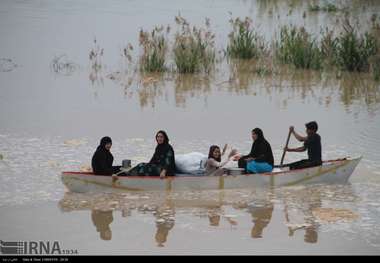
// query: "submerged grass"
[[154, 49], [328, 48], [326, 8], [244, 42], [375, 68], [296, 47], [194, 48], [353, 51], [348, 51], [95, 56]]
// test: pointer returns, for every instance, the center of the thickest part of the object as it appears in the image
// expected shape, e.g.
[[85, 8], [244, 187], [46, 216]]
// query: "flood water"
[[54, 108]]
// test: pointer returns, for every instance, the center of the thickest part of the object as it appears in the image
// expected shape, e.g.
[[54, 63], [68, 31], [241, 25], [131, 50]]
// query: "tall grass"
[[353, 51], [296, 47], [244, 42], [375, 60], [326, 8], [154, 49], [375, 68], [328, 48], [194, 48]]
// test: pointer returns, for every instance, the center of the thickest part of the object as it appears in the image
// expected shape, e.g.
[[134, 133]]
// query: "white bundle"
[[191, 163]]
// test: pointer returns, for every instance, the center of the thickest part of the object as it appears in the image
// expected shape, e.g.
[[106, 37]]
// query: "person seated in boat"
[[163, 161], [312, 143], [102, 159], [214, 163], [260, 159]]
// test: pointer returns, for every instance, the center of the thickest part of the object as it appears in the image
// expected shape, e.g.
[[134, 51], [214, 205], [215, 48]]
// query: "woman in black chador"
[[162, 162], [102, 159]]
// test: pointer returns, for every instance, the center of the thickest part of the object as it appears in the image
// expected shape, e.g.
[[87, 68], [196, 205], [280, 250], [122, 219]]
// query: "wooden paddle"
[[122, 170], [286, 146]]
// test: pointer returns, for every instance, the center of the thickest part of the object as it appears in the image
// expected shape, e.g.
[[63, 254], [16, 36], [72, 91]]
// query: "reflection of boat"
[[199, 210], [333, 171]]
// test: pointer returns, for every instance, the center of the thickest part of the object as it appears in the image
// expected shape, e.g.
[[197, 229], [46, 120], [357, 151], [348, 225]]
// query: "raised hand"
[[232, 153], [163, 174], [224, 148]]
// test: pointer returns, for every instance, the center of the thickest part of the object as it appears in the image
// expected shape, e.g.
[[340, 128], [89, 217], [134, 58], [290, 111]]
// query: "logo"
[[12, 247], [33, 248]]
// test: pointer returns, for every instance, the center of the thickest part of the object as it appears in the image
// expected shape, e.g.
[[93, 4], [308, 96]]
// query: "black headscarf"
[[164, 147], [259, 133], [261, 149], [105, 140], [102, 159], [161, 152]]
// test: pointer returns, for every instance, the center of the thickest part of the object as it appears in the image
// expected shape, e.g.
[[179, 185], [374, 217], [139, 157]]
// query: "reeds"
[[296, 47], [375, 68], [95, 56], [353, 51], [193, 48], [244, 42], [328, 46], [154, 49], [326, 8]]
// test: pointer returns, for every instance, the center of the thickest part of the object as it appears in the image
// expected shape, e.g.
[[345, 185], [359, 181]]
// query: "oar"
[[115, 176], [286, 146], [123, 170]]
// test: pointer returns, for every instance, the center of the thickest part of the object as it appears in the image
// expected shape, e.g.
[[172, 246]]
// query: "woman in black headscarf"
[[102, 159], [260, 159], [162, 162]]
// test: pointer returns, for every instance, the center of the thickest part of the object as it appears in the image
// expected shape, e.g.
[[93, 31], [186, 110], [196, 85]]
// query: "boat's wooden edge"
[[348, 159]]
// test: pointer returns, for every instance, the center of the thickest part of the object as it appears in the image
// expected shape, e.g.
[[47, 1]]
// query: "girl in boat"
[[260, 159], [102, 159], [214, 163], [163, 161]]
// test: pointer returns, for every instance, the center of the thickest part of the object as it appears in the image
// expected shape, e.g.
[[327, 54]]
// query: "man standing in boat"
[[312, 143]]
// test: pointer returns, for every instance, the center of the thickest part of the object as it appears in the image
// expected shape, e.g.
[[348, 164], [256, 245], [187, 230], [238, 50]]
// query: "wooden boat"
[[330, 172]]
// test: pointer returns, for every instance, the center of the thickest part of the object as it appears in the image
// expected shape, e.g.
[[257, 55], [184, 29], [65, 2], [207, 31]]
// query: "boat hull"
[[331, 172]]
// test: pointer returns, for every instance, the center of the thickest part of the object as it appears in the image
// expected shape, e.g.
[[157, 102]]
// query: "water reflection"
[[102, 221], [191, 85], [214, 217], [164, 223], [250, 78], [298, 205], [7, 65], [299, 213], [261, 212], [62, 65], [151, 88]]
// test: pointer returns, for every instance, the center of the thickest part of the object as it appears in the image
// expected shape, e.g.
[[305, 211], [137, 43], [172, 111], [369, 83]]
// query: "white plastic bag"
[[191, 163]]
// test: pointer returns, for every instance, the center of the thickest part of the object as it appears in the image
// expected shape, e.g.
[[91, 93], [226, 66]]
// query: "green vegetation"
[[296, 47], [244, 42], [354, 51], [376, 68], [328, 48], [326, 8], [193, 49], [349, 51], [154, 49]]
